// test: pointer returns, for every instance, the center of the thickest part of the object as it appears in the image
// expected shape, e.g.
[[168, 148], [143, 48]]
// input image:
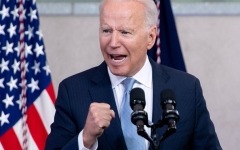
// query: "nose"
[[114, 40]]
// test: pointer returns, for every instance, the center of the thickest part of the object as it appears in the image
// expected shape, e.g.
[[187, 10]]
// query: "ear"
[[151, 37]]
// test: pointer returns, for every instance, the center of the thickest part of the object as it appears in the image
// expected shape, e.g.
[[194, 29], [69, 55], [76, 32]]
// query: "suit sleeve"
[[205, 137], [64, 133]]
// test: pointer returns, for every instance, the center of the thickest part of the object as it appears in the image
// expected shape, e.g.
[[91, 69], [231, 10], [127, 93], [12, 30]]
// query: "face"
[[124, 36]]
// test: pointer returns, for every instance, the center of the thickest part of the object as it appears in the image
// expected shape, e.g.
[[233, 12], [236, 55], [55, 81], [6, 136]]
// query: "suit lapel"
[[160, 78], [102, 93]]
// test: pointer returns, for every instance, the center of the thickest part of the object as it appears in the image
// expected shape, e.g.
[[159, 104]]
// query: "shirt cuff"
[[81, 145]]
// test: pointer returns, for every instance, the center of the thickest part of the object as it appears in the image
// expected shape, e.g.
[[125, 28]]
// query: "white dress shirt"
[[144, 81]]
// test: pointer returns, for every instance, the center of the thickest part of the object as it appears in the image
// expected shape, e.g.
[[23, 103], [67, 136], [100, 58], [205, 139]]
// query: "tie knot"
[[128, 84]]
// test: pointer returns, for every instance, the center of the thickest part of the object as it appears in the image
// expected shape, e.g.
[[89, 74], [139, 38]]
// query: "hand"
[[99, 117]]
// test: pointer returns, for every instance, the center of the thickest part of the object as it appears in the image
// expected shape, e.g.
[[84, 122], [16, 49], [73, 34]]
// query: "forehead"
[[128, 11]]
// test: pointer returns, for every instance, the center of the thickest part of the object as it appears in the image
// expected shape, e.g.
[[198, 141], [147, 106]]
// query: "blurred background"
[[209, 34]]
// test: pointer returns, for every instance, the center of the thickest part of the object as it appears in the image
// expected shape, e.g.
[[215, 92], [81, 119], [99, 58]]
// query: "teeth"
[[119, 60]]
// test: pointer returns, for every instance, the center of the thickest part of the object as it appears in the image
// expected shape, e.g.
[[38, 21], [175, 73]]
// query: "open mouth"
[[118, 58]]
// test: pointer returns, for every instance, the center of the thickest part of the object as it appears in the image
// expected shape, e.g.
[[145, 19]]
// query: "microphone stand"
[[169, 117]]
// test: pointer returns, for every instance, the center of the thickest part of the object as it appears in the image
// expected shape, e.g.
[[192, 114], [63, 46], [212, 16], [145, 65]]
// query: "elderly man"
[[90, 105]]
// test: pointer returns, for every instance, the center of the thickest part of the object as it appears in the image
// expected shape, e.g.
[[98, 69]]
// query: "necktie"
[[132, 139]]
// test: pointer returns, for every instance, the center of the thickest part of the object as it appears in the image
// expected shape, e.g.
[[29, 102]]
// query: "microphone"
[[137, 102], [137, 99], [139, 117], [170, 115]]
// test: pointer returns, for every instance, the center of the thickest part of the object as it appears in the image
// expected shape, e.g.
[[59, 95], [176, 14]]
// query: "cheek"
[[139, 46], [103, 47], [103, 43]]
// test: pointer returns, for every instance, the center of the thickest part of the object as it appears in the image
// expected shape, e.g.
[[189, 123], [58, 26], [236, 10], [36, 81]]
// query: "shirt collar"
[[144, 76]]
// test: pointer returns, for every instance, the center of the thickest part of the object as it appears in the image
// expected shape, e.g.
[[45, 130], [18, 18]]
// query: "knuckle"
[[107, 123], [105, 105], [95, 114], [108, 106], [97, 121]]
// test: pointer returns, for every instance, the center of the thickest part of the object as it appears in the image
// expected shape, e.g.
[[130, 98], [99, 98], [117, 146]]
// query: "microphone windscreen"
[[167, 94], [137, 96]]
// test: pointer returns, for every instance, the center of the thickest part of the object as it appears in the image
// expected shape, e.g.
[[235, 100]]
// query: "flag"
[[167, 50], [26, 91]]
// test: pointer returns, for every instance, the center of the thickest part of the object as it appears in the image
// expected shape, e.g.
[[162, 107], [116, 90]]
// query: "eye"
[[125, 32], [106, 31]]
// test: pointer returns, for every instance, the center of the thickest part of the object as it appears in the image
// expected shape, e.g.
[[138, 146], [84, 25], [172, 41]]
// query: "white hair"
[[151, 12]]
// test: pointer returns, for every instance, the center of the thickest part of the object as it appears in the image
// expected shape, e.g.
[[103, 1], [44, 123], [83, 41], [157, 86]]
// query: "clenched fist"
[[99, 117]]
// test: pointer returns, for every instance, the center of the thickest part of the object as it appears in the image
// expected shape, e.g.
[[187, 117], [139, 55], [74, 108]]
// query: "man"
[[88, 106]]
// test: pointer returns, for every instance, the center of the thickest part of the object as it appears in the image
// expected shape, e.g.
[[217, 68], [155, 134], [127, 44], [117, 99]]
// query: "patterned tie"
[[132, 139]]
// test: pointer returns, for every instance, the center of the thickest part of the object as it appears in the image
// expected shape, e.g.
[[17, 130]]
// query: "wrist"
[[88, 140]]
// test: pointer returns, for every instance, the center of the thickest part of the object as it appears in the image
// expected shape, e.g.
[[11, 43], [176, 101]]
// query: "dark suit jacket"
[[195, 130]]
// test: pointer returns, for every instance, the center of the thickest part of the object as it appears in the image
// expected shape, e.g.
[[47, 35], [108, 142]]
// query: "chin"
[[118, 72]]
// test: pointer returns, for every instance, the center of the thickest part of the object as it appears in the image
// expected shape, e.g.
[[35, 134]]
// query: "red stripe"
[[36, 127], [10, 141], [51, 92]]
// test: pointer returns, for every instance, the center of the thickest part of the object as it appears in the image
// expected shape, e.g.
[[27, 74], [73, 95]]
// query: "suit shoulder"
[[178, 74], [84, 76]]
